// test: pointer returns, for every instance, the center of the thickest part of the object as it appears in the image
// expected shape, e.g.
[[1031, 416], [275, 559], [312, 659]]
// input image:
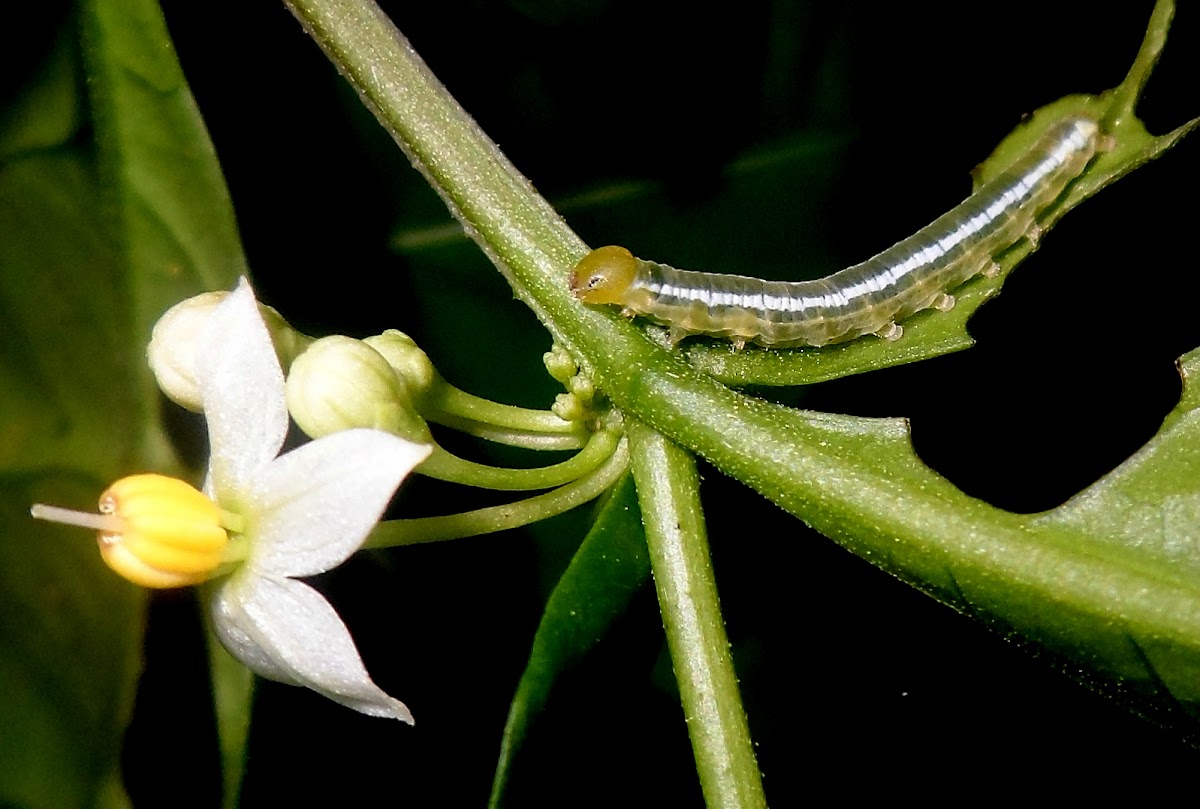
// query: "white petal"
[[241, 385], [313, 507], [286, 631]]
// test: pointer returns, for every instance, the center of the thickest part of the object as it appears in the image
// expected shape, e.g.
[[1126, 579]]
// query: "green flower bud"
[[172, 348], [340, 383], [568, 407], [407, 359], [582, 387], [560, 364]]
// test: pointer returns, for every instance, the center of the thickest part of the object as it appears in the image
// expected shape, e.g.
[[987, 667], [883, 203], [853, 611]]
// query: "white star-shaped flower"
[[291, 515], [306, 512]]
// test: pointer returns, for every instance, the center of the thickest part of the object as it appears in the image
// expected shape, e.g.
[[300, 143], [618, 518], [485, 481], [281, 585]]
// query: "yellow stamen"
[[154, 530]]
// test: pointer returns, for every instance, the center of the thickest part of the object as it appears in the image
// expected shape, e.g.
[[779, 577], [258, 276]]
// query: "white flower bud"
[[172, 349], [407, 359], [340, 383]]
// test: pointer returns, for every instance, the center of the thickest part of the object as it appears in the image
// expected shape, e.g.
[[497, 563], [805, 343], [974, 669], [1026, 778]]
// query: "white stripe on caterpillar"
[[869, 298]]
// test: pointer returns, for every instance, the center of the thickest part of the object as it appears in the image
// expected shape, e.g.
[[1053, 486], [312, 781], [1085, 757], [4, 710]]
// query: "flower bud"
[[568, 407], [340, 383], [172, 349], [560, 364], [407, 359], [582, 387]]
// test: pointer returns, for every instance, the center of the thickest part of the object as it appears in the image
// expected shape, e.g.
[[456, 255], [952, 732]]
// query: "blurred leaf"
[[47, 113], [609, 568], [770, 196], [71, 634], [70, 630], [173, 220], [68, 398], [172, 211], [89, 257]]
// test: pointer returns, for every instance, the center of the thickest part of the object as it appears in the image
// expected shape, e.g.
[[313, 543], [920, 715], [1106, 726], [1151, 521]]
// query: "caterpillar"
[[869, 298]]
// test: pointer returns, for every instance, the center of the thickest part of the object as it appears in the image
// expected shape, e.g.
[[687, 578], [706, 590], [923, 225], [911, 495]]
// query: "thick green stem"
[[669, 496]]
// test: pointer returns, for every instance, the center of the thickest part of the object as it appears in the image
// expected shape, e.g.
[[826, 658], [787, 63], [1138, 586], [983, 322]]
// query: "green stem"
[[1129, 91], [502, 518], [447, 399], [668, 493], [509, 437], [442, 465], [233, 693]]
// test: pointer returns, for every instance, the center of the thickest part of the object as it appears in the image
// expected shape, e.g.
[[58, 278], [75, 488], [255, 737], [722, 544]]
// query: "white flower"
[[297, 514], [305, 512]]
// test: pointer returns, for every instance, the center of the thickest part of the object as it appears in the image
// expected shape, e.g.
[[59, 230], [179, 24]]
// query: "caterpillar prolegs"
[[915, 274]]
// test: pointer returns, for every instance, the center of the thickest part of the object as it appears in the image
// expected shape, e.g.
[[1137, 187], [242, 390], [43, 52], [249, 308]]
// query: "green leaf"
[[71, 636], [607, 571], [173, 216], [1111, 601], [91, 252], [47, 112], [66, 402], [70, 631], [1148, 511]]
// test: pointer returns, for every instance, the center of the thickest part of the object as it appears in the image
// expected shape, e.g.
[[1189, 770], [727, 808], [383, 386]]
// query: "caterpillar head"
[[604, 275]]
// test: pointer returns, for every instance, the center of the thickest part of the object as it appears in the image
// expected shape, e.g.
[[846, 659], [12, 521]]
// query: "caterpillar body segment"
[[914, 274]]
